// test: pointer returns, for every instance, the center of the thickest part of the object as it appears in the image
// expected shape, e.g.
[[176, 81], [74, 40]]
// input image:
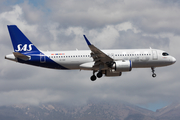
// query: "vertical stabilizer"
[[20, 42]]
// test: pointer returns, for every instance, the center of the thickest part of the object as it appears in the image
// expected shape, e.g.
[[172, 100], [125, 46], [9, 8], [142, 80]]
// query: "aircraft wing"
[[99, 56]]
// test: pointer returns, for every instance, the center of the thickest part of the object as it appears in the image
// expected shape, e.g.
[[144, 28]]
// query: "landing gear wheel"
[[153, 75], [99, 74], [93, 78]]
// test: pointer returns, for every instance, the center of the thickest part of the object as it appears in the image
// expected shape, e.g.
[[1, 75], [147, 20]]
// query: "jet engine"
[[122, 66]]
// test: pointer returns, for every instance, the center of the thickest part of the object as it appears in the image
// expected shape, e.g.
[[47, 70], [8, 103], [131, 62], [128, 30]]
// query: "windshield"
[[165, 54]]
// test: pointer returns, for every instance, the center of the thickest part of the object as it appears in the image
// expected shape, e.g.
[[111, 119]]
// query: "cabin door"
[[42, 58], [154, 53]]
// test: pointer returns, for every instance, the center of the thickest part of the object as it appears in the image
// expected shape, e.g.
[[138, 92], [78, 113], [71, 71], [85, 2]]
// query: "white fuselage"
[[140, 57]]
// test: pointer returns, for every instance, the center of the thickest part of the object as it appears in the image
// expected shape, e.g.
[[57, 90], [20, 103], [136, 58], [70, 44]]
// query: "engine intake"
[[122, 66]]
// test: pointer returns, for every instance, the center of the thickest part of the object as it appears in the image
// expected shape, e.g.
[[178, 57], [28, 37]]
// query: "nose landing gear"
[[154, 74]]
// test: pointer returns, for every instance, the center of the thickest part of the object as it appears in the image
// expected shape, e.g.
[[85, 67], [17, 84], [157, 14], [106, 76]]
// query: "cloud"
[[150, 16], [108, 25], [31, 14]]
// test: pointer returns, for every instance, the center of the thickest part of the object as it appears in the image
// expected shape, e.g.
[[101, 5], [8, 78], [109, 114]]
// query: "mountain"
[[171, 112], [90, 111]]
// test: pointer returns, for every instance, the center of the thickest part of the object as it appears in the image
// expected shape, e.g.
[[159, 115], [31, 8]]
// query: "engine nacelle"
[[122, 66]]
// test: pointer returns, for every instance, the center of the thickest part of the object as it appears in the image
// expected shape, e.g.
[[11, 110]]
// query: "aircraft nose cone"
[[173, 60]]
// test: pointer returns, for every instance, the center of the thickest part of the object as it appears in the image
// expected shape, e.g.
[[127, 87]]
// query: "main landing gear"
[[99, 75], [154, 74]]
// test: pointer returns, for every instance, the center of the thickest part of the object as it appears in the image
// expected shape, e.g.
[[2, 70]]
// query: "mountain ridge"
[[92, 110]]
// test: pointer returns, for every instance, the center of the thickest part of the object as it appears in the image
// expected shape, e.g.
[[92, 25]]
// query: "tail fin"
[[20, 42]]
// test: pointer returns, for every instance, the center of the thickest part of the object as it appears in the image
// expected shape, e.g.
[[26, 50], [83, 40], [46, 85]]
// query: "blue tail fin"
[[20, 42]]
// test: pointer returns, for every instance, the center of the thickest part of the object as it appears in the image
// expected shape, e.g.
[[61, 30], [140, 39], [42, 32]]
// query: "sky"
[[116, 24]]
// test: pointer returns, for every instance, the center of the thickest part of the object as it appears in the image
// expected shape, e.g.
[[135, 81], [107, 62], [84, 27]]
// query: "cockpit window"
[[165, 54]]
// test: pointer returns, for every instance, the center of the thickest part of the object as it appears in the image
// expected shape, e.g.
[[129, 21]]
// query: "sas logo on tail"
[[24, 48]]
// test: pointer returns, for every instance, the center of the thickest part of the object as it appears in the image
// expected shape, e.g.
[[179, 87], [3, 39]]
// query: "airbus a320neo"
[[110, 62]]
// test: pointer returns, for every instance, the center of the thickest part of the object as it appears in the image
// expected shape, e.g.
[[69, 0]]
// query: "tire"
[[153, 75], [93, 78]]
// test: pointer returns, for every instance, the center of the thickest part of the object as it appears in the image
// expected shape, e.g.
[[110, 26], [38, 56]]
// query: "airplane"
[[110, 62]]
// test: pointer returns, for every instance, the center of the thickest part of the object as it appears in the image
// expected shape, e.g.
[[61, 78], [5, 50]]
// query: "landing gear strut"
[[154, 74], [99, 74]]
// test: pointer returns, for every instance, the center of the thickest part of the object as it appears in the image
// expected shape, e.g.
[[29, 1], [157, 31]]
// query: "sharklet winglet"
[[87, 41]]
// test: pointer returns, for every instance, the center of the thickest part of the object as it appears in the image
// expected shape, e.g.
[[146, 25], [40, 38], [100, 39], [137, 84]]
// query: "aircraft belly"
[[148, 64], [72, 64]]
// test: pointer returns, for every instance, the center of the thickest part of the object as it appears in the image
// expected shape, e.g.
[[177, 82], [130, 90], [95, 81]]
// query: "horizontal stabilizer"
[[21, 56]]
